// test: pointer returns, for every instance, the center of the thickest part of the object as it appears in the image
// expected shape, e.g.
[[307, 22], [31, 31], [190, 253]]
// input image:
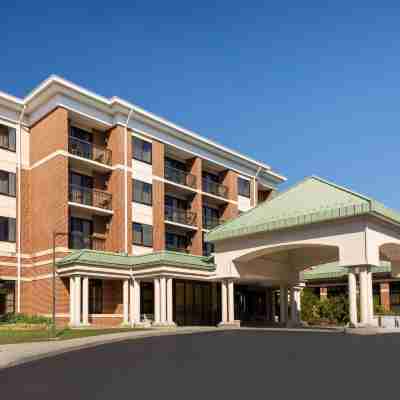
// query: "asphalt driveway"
[[230, 364]]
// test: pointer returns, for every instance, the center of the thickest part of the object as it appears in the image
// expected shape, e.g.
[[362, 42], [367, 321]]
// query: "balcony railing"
[[179, 249], [210, 223], [80, 240], [179, 176], [180, 215], [215, 188], [90, 197], [88, 150]]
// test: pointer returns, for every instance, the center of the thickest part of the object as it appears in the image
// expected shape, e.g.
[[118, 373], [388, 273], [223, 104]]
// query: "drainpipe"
[[126, 178], [19, 164], [255, 185]]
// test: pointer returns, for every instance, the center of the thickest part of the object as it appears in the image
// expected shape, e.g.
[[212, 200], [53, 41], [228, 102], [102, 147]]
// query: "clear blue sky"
[[307, 88]]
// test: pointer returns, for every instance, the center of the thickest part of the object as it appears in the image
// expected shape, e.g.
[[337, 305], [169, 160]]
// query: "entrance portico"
[[312, 223]]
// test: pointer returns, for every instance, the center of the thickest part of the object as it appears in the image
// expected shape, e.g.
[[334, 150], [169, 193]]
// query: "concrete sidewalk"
[[15, 354]]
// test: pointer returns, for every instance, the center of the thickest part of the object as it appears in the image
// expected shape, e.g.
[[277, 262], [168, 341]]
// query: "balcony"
[[215, 188], [181, 177], [180, 216], [90, 151], [80, 240], [90, 197], [211, 223]]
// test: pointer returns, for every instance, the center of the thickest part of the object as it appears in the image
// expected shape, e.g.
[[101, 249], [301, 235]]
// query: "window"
[[80, 233], [176, 242], [7, 229], [142, 234], [8, 138], [243, 187], [81, 134], [208, 248], [175, 164], [142, 192], [95, 296], [7, 183], [141, 150]]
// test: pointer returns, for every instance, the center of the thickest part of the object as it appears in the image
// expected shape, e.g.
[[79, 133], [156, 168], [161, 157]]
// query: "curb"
[[100, 342]]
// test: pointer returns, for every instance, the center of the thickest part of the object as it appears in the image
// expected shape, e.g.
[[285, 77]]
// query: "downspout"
[[255, 186], [126, 179], [19, 164]]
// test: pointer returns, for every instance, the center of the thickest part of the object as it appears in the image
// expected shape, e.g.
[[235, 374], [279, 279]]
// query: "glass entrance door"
[[196, 303]]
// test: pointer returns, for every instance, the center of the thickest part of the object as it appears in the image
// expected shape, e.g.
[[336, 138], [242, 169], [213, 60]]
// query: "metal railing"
[[82, 148], [210, 223], [179, 176], [90, 197], [177, 249], [180, 215], [215, 188], [80, 240]]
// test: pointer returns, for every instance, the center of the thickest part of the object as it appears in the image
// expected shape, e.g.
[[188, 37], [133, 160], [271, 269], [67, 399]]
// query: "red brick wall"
[[194, 166], [49, 203], [49, 134], [158, 197], [116, 233]]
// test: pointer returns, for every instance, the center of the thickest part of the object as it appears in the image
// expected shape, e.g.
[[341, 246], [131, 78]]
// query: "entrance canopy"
[[312, 223]]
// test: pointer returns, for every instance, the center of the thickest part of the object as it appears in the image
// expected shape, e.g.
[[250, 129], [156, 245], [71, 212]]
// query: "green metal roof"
[[311, 200], [111, 259], [333, 271]]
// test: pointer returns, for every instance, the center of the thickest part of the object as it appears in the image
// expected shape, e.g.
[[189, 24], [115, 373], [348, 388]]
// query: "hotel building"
[[149, 223], [105, 175]]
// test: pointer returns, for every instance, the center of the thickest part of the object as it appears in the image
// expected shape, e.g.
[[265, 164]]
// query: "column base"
[[229, 324], [295, 324], [164, 325], [80, 326]]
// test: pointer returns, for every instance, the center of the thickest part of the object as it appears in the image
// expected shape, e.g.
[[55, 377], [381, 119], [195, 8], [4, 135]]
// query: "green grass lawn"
[[9, 336]]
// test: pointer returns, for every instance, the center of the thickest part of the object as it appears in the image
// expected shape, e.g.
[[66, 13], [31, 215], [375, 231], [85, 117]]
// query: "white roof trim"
[[125, 108]]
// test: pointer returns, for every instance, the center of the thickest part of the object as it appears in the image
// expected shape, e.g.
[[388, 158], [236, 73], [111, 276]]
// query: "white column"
[[364, 293], [132, 302], [224, 302], [72, 300], [231, 301], [273, 306], [163, 299], [156, 300], [125, 301], [370, 295], [283, 295], [77, 301], [292, 305], [85, 300], [295, 306], [137, 301], [352, 298], [170, 313]]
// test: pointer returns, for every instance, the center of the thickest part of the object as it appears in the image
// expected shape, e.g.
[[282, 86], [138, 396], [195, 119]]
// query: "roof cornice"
[[116, 106]]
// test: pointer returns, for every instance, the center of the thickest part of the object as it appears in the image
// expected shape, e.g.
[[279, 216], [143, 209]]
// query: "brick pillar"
[[230, 210], [323, 293], [115, 184], [48, 189], [385, 295], [158, 196], [194, 166]]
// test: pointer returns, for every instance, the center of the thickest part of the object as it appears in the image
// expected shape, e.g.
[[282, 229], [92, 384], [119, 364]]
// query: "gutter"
[[19, 164], [126, 180], [255, 186]]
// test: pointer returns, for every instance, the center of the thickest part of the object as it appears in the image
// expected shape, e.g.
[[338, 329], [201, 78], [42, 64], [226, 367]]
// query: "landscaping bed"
[[20, 328]]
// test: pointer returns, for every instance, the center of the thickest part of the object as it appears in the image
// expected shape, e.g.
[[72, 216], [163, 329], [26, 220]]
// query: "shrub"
[[12, 318], [334, 310]]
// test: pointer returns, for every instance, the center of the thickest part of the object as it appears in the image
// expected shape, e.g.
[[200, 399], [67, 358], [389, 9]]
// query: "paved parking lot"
[[229, 364]]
